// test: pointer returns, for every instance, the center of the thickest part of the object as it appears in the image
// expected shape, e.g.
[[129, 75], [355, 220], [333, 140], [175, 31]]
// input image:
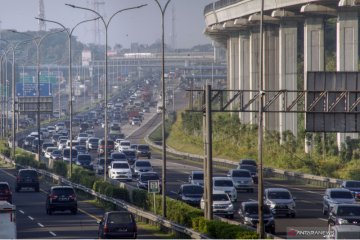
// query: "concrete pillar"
[[347, 41], [313, 50], [233, 65], [288, 72], [244, 71], [254, 71], [271, 75]]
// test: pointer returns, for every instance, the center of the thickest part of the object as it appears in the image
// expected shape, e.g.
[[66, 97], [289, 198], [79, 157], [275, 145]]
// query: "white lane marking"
[[40, 225], [250, 199], [181, 181], [323, 219], [22, 211], [299, 189], [52, 233], [31, 218]]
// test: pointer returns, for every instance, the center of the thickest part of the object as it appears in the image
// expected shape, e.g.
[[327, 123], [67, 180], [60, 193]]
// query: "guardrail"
[[136, 211], [303, 178]]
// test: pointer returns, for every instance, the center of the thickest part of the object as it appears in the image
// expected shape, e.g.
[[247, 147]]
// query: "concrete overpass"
[[235, 25]]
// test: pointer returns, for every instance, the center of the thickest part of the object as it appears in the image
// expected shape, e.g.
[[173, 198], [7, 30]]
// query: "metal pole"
[[205, 161], [70, 101], [209, 151], [13, 105], [261, 229], [6, 99], [38, 95]]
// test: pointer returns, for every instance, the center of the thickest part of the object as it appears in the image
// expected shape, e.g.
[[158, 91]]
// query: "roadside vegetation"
[[233, 140]]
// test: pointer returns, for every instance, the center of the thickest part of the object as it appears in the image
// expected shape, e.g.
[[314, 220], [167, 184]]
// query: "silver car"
[[142, 166], [280, 201], [335, 196], [242, 179], [197, 177]]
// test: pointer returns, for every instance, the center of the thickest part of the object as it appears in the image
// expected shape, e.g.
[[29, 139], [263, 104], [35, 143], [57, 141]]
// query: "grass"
[[4, 164]]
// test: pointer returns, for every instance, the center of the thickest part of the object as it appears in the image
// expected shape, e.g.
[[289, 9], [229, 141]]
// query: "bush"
[[83, 176], [140, 199], [60, 168]]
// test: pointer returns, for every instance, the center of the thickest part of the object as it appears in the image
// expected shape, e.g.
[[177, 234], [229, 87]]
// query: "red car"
[[5, 192]]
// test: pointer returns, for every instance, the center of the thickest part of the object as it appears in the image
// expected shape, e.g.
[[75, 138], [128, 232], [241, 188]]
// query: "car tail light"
[[73, 197], [106, 228], [7, 191], [17, 179], [53, 196]]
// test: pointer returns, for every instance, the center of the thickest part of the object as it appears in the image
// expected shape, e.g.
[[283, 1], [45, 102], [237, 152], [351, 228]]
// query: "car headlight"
[[342, 221], [271, 204], [230, 207], [291, 205], [247, 220]]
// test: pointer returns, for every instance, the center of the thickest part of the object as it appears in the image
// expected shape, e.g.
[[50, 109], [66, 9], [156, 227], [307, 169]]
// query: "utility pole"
[[209, 184]]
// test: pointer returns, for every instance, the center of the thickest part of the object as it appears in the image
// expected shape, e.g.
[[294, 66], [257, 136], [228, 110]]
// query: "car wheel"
[[74, 211], [272, 231], [293, 215], [325, 211], [37, 189]]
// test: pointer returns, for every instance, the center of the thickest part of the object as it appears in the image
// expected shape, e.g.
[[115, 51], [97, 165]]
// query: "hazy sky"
[[140, 25]]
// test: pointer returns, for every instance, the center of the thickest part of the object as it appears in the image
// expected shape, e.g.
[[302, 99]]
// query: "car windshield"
[[241, 174], [147, 177], [93, 140], [248, 167], [254, 208], [120, 165], [198, 176], [221, 197], [84, 157], [341, 194], [143, 148], [56, 152], [279, 195], [28, 173], [348, 211], [67, 153], [120, 218], [3, 187], [118, 156], [248, 161], [223, 183], [353, 184], [125, 144], [80, 148], [115, 128], [83, 135], [129, 153], [193, 189], [143, 164]]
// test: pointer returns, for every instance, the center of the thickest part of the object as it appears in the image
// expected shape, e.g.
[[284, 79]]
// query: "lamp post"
[[162, 10], [38, 41], [106, 25], [69, 33]]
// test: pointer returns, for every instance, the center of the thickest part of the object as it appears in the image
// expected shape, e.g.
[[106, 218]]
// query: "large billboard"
[[30, 89], [333, 102]]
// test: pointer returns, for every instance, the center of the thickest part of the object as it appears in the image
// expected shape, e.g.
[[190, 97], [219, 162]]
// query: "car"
[[123, 145], [62, 143], [345, 232], [353, 186], [48, 151], [81, 149], [196, 177], [66, 154], [135, 121], [51, 129], [55, 138], [252, 169], [61, 198], [92, 143], [249, 215], [134, 146], [335, 196], [142, 166], [248, 162], [143, 150], [99, 165], [120, 170], [242, 179], [84, 160], [36, 144], [342, 214], [56, 155], [118, 156], [44, 132], [145, 177], [280, 201], [84, 126], [45, 145], [222, 204], [225, 184], [130, 155], [117, 224], [28, 142], [5, 192], [110, 146], [60, 126], [190, 194], [27, 178]]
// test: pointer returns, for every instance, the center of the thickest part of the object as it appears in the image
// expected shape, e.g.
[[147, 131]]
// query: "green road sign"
[[154, 186]]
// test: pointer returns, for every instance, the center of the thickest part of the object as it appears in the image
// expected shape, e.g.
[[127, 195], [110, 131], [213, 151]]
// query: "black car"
[[252, 169], [5, 192], [98, 167], [28, 142], [145, 177], [84, 127], [248, 162], [344, 214], [130, 155], [27, 178], [191, 194], [84, 160], [61, 198], [143, 150], [117, 224], [249, 215]]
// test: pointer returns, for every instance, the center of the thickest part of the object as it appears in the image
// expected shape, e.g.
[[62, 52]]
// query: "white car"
[[225, 184], [48, 151], [120, 170], [222, 204], [124, 145], [44, 132], [51, 129]]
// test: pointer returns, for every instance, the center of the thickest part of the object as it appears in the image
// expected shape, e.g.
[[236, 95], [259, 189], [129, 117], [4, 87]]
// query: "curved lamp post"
[[69, 33], [38, 41], [2, 94], [163, 191], [106, 25]]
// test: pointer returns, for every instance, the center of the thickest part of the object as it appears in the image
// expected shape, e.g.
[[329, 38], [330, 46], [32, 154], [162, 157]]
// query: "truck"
[[7, 220]]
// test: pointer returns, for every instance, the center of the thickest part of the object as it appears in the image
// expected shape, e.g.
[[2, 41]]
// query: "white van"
[[7, 220]]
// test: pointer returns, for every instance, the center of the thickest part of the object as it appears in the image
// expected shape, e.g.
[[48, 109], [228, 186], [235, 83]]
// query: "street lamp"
[[162, 10], [106, 25], [69, 33], [38, 41]]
